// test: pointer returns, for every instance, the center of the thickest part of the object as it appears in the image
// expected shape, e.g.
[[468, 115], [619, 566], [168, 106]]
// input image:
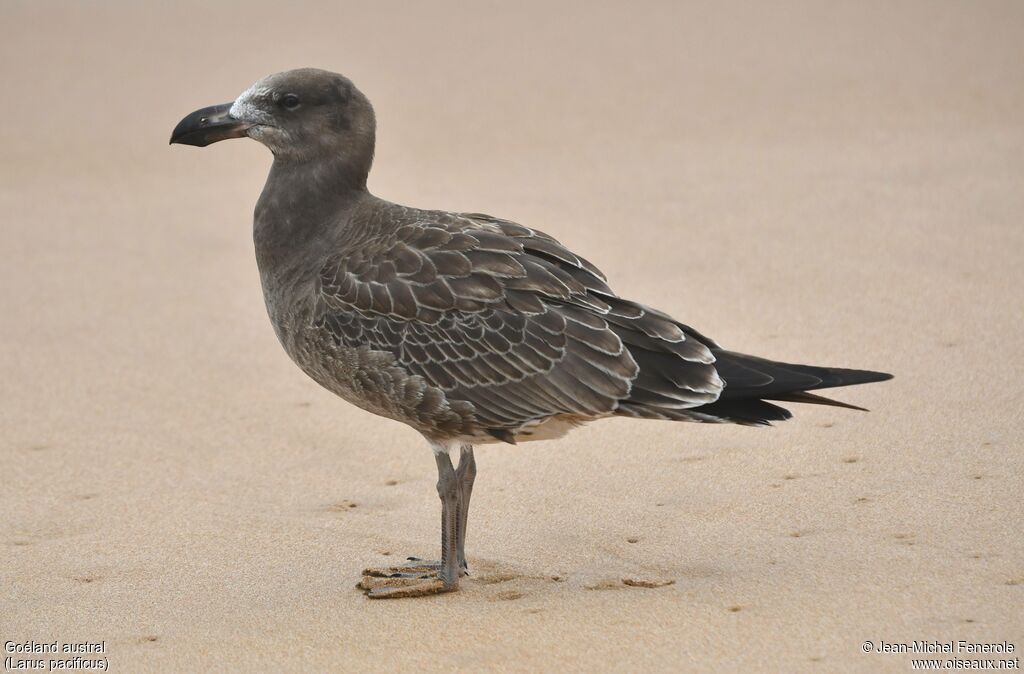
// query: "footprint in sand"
[[498, 577], [341, 506], [649, 583], [646, 582], [604, 585]]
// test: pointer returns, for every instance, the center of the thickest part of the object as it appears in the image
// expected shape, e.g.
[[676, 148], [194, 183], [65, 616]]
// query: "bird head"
[[301, 115]]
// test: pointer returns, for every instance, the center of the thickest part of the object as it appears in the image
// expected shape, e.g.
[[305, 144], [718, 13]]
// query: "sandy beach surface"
[[831, 183]]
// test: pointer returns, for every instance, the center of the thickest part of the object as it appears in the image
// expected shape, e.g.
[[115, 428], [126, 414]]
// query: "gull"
[[469, 328]]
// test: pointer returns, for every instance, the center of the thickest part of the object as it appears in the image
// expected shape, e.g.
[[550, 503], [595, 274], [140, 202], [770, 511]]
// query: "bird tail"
[[751, 381]]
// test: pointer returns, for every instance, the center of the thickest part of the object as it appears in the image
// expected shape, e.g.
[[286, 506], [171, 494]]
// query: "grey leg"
[[451, 531], [423, 578], [466, 474]]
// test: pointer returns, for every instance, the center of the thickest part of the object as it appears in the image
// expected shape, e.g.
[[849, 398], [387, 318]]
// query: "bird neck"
[[302, 204], [324, 173]]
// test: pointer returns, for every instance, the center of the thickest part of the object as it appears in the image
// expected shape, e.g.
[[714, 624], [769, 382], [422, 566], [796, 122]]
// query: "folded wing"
[[506, 318]]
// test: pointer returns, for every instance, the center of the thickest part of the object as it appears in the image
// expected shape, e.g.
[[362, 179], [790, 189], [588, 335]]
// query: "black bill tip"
[[208, 125]]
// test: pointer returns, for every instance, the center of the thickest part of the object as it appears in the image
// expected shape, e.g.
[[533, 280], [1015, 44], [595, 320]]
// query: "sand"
[[837, 185]]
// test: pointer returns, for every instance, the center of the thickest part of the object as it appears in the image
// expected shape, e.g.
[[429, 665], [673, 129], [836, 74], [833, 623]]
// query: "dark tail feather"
[[810, 398], [750, 412], [750, 381]]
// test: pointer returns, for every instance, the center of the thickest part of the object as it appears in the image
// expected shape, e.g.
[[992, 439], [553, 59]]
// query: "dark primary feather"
[[748, 376]]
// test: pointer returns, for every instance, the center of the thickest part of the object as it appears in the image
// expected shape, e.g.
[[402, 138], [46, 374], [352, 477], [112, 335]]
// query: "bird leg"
[[419, 577], [466, 474]]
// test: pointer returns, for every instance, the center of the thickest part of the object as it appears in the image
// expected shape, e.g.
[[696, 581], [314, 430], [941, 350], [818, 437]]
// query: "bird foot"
[[418, 578]]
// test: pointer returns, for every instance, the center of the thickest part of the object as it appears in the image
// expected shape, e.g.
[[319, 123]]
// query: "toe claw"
[[377, 573]]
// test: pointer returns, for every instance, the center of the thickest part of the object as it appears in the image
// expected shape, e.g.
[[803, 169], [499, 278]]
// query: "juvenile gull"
[[469, 328]]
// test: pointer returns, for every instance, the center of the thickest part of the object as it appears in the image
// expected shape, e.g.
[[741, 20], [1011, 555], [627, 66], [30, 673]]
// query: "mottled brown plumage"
[[467, 327]]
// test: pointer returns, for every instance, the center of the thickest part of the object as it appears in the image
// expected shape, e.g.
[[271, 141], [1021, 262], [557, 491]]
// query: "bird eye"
[[290, 101]]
